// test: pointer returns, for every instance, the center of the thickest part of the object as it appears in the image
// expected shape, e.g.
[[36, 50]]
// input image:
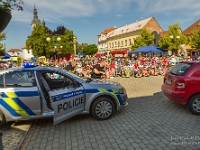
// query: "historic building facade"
[[120, 39], [188, 32], [27, 53], [102, 40]]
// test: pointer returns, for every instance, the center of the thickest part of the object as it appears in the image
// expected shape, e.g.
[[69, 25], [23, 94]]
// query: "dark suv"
[[182, 85]]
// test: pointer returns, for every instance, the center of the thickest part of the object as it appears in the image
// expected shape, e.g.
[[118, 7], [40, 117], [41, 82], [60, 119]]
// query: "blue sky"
[[88, 18]]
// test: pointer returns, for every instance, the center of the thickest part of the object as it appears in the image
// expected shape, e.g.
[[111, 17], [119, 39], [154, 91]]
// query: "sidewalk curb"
[[25, 137]]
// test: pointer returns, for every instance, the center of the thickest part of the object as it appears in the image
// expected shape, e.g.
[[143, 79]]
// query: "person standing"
[[195, 57]]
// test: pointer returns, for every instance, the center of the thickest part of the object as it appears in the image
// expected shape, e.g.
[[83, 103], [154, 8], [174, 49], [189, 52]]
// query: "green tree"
[[67, 42], [79, 48], [194, 40], [37, 41], [90, 49], [174, 39], [144, 39], [2, 37]]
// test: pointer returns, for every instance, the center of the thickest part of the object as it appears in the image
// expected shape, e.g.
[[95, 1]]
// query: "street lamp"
[[53, 38], [74, 38], [174, 37]]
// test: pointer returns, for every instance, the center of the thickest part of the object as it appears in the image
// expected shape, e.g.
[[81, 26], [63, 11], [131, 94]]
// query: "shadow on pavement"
[[14, 134], [150, 120]]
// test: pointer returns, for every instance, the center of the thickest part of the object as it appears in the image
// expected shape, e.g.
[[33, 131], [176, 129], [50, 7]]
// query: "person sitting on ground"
[[144, 71], [138, 74], [99, 70], [71, 67]]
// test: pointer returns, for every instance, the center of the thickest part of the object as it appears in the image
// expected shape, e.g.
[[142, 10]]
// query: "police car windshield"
[[73, 75]]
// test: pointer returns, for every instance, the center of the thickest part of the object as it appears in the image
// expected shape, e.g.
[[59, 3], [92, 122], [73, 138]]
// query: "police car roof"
[[22, 68]]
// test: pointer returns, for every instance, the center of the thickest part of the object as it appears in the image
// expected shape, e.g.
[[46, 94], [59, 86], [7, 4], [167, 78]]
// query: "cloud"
[[170, 6], [61, 10], [55, 10], [119, 15]]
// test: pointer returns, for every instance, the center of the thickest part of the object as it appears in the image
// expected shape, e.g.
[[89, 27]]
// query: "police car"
[[31, 92]]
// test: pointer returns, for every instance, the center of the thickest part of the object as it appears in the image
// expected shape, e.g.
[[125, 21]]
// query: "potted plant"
[[5, 11]]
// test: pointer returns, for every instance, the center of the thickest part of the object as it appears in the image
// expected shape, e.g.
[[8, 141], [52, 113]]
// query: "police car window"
[[57, 80], [20, 79], [53, 76]]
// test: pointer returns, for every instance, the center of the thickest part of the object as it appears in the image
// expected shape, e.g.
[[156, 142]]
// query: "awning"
[[7, 56]]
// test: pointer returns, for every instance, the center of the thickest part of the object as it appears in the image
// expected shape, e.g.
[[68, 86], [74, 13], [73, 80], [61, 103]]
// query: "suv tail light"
[[180, 85]]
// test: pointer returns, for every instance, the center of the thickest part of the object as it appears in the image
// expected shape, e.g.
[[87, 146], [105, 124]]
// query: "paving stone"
[[148, 122]]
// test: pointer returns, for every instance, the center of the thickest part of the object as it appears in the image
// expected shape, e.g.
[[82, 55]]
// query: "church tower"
[[35, 20]]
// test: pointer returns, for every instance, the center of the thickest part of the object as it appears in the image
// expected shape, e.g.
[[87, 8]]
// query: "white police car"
[[33, 92]]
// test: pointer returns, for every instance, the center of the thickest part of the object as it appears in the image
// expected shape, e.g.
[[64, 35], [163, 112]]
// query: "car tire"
[[2, 119], [194, 104], [102, 108]]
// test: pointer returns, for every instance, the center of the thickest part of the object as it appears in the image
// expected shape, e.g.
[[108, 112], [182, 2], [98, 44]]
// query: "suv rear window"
[[180, 69]]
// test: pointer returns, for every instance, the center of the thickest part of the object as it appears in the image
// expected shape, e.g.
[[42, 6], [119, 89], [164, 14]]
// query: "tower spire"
[[35, 20]]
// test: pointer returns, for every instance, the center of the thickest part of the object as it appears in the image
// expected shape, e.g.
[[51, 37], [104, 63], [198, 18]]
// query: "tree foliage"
[[2, 37], [90, 49], [37, 41], [59, 30], [194, 40], [11, 4], [173, 43], [144, 39], [79, 47]]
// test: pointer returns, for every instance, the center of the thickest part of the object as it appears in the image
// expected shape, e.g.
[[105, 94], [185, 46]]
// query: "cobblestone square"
[[150, 121]]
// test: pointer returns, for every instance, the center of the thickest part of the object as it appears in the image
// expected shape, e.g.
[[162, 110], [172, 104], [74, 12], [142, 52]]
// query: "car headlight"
[[122, 91]]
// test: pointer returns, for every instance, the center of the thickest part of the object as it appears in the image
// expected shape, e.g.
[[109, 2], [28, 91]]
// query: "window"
[[122, 43], [56, 80], [115, 44], [154, 41], [180, 69], [20, 79], [112, 44], [129, 41], [118, 44], [133, 40], [125, 42]]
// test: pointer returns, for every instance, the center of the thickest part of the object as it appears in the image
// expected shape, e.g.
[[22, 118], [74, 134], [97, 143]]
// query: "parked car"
[[182, 85], [33, 92]]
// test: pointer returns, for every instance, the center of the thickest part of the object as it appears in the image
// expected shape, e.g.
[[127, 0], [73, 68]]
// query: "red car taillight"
[[180, 85]]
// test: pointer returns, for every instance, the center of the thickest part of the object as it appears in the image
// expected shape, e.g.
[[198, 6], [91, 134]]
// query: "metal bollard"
[[1, 142]]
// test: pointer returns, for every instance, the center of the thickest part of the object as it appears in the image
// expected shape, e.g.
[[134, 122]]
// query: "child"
[[138, 74], [144, 72]]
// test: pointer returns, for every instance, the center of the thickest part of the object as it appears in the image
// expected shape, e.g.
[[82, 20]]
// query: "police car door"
[[19, 95], [67, 97]]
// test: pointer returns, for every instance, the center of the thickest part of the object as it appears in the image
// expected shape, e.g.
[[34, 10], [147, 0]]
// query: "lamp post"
[[74, 39], [175, 37], [53, 38]]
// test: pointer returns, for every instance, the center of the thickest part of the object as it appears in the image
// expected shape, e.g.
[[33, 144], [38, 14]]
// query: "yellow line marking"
[[16, 107]]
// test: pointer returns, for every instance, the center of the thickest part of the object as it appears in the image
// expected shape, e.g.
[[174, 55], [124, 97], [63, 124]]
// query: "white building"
[[14, 52], [27, 53], [102, 40]]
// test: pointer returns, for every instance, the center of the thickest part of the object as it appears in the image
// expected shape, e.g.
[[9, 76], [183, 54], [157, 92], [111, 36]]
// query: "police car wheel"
[[102, 108], [2, 119]]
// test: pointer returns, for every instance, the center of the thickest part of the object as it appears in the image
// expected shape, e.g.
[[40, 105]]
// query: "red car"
[[182, 85]]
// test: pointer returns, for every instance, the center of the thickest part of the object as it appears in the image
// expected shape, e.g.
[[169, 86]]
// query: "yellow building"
[[120, 39]]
